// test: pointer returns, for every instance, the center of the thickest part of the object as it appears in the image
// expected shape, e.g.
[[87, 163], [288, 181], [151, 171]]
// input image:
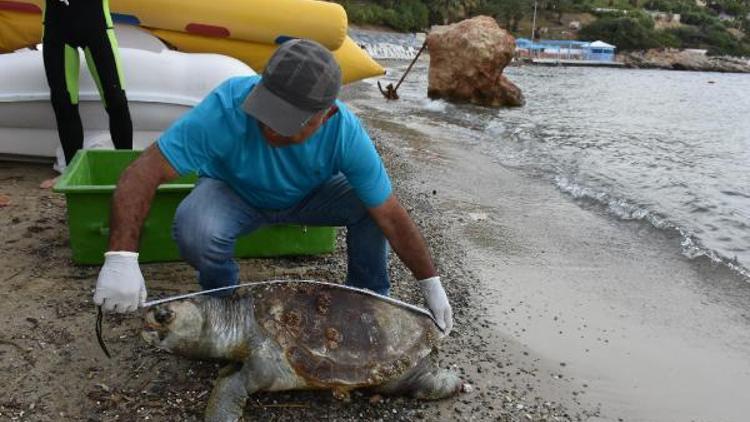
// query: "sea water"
[[667, 148]]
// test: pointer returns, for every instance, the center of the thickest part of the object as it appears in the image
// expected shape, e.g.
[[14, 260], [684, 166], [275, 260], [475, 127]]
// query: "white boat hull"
[[161, 85], [28, 129]]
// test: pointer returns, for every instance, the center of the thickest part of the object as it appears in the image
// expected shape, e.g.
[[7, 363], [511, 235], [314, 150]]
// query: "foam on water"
[[665, 148], [387, 45], [691, 246], [436, 106], [389, 51]]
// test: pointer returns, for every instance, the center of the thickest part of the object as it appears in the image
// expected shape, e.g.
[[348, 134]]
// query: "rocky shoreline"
[[404, 46], [671, 59]]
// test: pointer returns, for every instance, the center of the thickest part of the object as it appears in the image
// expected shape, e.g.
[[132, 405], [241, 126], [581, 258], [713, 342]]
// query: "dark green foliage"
[[508, 12], [629, 29], [716, 41], [403, 15], [732, 7], [700, 19], [625, 32], [408, 15], [673, 6], [667, 39], [643, 18]]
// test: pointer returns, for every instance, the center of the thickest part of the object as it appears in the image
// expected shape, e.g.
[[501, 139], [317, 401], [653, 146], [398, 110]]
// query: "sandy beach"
[[612, 318], [561, 312], [615, 320], [56, 370]]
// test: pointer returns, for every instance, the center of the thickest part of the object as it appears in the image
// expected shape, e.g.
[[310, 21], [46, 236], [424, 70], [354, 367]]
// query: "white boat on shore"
[[161, 85]]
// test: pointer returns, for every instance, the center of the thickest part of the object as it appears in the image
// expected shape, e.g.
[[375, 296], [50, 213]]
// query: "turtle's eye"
[[164, 316]]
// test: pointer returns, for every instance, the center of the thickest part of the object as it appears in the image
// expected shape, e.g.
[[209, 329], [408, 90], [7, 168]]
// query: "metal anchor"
[[390, 91]]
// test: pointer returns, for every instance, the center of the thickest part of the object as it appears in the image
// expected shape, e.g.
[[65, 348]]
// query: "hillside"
[[718, 26]]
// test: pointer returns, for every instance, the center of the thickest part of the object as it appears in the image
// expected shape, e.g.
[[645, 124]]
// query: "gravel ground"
[[54, 369]]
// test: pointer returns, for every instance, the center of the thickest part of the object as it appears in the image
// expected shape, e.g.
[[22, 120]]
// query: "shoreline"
[[612, 316], [663, 59]]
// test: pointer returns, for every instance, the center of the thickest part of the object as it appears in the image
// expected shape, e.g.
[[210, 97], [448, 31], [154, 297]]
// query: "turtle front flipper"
[[227, 401], [265, 369], [425, 381]]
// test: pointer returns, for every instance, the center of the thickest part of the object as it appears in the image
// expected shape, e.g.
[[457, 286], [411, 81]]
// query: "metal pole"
[[390, 92], [411, 64], [533, 23]]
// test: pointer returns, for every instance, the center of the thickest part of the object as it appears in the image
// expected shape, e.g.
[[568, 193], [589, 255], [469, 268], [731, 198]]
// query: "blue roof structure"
[[584, 50]]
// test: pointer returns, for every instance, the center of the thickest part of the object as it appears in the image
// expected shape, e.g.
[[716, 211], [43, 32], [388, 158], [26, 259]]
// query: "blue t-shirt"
[[218, 139]]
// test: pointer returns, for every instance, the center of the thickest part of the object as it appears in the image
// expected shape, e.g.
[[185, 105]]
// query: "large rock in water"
[[467, 61]]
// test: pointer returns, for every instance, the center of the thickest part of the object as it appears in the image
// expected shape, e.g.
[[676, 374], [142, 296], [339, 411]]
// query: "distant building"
[[664, 16], [699, 51], [599, 51], [610, 10], [566, 50]]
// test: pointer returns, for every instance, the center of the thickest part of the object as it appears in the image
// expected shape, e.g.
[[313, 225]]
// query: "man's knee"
[[200, 247], [380, 285], [197, 240]]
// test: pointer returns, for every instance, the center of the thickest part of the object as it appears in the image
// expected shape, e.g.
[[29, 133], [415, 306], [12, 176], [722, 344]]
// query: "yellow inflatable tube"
[[20, 29], [355, 63], [258, 21]]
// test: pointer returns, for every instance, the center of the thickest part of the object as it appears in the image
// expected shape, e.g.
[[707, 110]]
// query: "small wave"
[[735, 193], [617, 206], [690, 245], [389, 51], [437, 106], [385, 45]]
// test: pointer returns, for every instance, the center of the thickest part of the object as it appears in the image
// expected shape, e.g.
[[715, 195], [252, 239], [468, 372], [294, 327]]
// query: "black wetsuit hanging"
[[86, 24]]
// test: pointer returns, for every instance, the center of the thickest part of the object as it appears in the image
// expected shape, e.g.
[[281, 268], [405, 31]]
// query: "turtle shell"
[[335, 336]]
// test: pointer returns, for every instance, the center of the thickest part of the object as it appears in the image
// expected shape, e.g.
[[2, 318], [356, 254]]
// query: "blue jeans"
[[212, 216]]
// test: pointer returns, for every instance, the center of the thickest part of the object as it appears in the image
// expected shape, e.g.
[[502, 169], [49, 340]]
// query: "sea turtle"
[[303, 335]]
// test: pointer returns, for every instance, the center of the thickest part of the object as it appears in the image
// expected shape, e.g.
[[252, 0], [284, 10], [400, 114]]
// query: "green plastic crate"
[[88, 184]]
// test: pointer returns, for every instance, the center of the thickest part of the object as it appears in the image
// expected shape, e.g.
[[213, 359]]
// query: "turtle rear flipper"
[[425, 381]]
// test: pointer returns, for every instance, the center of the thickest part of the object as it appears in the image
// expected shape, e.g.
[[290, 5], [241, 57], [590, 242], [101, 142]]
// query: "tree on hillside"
[[558, 7], [447, 11], [508, 12], [626, 33]]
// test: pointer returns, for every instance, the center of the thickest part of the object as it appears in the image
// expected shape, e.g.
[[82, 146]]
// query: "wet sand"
[[609, 308]]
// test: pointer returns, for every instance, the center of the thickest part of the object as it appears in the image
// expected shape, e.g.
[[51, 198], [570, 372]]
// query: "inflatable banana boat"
[[248, 30]]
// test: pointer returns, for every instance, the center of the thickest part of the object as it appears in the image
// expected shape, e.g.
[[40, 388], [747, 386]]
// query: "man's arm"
[[404, 237], [408, 243], [120, 286], [133, 196]]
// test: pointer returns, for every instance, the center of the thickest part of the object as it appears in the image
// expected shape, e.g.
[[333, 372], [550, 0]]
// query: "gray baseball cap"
[[301, 78]]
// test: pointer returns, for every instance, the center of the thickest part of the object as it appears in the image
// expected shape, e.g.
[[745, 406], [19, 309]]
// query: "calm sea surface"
[[671, 149]]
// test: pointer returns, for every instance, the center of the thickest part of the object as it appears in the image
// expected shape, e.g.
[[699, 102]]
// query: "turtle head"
[[176, 327]]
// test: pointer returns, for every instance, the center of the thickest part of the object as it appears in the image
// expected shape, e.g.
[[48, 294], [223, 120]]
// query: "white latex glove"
[[66, 2], [437, 301], [120, 286]]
